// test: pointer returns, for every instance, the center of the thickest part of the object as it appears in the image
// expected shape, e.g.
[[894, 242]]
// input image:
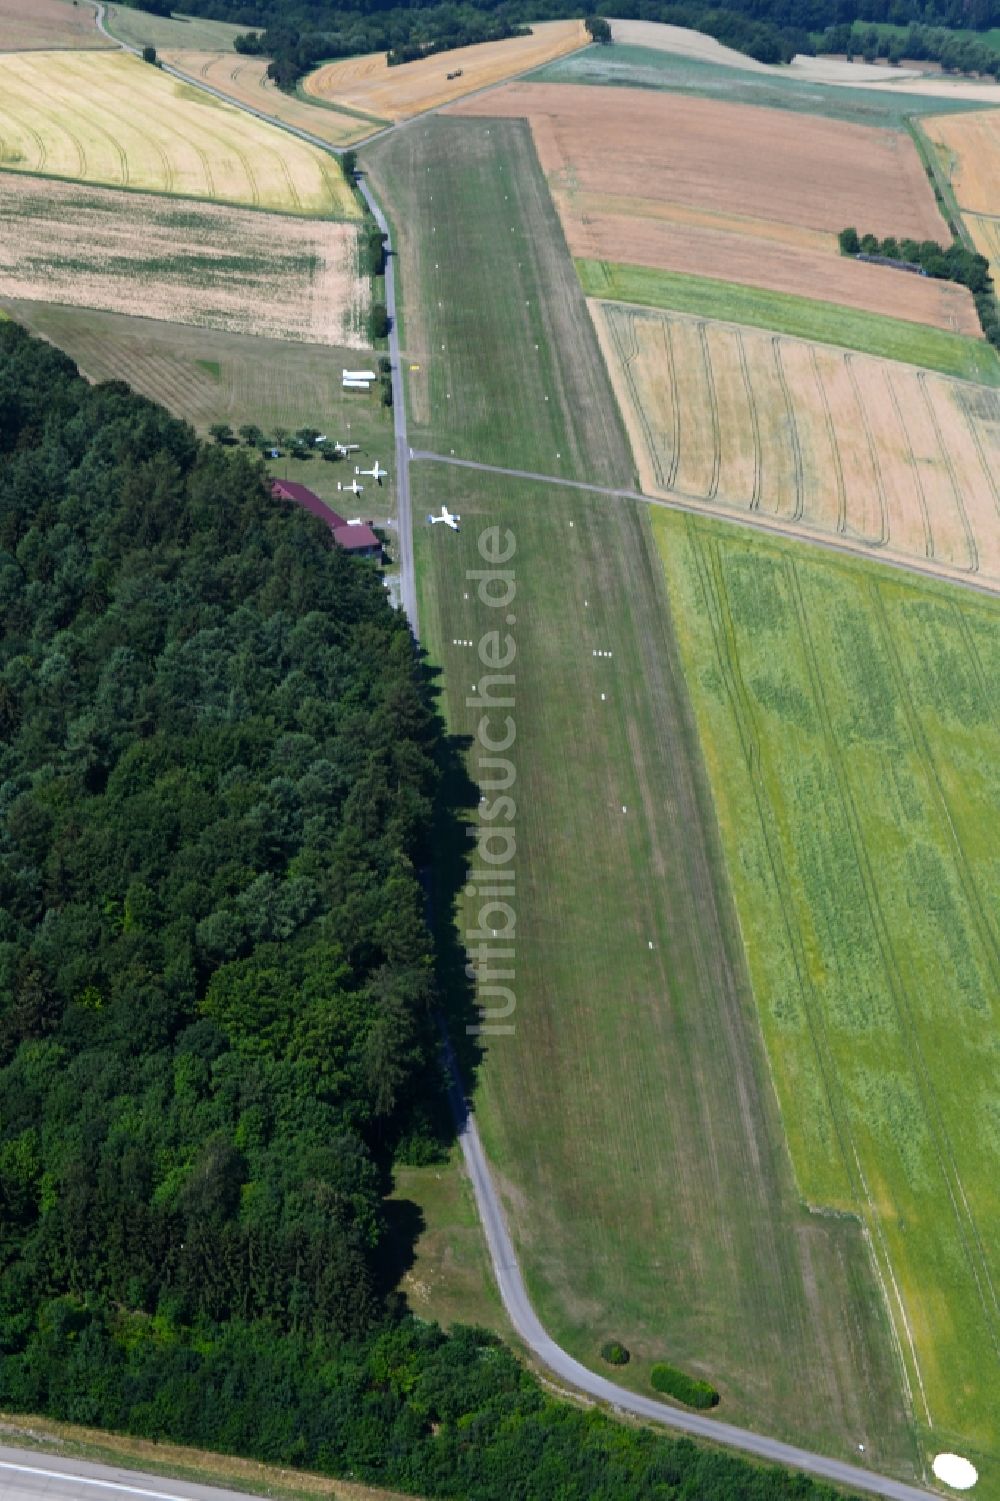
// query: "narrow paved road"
[[692, 506], [505, 1267], [27, 1475]]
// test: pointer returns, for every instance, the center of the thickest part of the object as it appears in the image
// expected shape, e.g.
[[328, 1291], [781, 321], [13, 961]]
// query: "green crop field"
[[629, 1117], [853, 744], [782, 312], [645, 68], [507, 368], [141, 29]]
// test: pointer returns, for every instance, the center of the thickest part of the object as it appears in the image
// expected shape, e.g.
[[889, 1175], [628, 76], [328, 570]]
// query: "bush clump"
[[615, 1353], [674, 1383]]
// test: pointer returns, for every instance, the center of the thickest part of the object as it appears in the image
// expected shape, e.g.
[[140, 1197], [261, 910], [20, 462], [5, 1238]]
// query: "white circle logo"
[[955, 1471]]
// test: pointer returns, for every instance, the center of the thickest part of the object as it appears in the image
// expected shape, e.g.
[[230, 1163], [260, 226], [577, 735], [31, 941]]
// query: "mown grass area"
[[647, 68], [629, 1117], [871, 333], [208, 376], [450, 1278], [139, 28], [849, 721], [502, 360]]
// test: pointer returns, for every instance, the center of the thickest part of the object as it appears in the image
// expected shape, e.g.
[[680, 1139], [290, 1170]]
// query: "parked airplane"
[[447, 518], [343, 449], [377, 473], [353, 487], [361, 375]]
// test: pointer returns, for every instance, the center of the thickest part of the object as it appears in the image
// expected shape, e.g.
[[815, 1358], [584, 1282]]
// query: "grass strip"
[[871, 333]]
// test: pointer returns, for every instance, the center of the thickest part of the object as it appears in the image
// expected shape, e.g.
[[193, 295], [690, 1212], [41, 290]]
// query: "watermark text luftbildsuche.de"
[[491, 938]]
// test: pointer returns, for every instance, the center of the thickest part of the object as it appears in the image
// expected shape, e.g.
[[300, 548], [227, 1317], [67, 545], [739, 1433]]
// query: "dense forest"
[[298, 33], [221, 770]]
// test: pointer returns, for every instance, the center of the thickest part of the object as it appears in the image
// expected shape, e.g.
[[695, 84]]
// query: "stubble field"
[[368, 83], [744, 194], [245, 80], [31, 24], [223, 377], [629, 1117], [968, 151], [109, 118], [876, 454], [848, 720], [194, 263]]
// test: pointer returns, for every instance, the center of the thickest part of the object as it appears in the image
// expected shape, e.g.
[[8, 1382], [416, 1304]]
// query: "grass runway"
[[630, 1118]]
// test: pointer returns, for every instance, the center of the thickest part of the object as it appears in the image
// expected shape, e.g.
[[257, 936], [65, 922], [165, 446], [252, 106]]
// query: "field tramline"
[[840, 444]]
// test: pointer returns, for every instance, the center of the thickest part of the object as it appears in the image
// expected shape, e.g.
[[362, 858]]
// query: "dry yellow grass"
[[986, 234], [109, 118], [969, 147], [197, 263], [245, 80], [367, 83], [877, 454]]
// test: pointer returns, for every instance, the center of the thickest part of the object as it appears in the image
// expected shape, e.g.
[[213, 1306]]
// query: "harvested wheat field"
[[985, 232], [203, 264], [827, 442], [27, 25], [245, 81], [109, 118], [968, 147], [367, 83], [740, 193]]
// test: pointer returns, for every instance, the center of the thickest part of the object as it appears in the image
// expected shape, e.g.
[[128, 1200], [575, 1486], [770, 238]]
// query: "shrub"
[[615, 1353], [674, 1383], [149, 55], [378, 321]]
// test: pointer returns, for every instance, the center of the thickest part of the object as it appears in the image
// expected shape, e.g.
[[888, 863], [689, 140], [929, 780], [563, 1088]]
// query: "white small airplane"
[[360, 375], [354, 488], [343, 449], [447, 518], [377, 472]]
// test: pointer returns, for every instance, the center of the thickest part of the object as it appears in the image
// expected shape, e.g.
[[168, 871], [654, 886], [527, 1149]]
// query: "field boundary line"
[[914, 467], [872, 453], [792, 427], [713, 406], [759, 521], [977, 440], [831, 433], [754, 421], [956, 490]]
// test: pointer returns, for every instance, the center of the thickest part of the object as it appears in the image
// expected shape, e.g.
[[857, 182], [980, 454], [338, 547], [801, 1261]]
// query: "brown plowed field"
[[733, 191], [245, 80], [37, 25], [367, 83], [878, 454], [184, 262]]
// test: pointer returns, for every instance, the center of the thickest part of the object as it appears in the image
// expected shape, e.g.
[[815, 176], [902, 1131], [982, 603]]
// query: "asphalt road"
[[77, 1479], [27, 1475]]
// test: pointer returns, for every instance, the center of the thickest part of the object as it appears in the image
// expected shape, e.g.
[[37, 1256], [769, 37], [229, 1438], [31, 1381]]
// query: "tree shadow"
[[396, 1255]]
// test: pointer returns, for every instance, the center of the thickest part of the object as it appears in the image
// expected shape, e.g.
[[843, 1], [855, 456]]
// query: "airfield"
[[746, 1120]]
